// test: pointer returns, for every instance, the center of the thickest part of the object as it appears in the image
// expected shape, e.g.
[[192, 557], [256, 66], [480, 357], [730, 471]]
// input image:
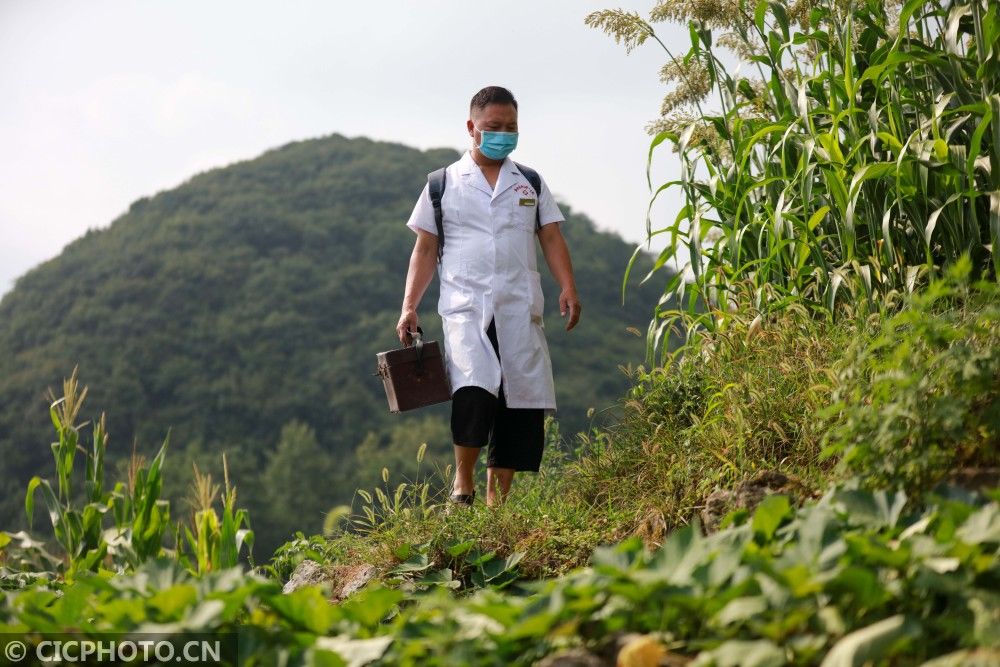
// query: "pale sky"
[[107, 101]]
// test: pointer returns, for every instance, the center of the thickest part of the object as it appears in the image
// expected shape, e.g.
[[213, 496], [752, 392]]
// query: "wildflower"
[[711, 13], [627, 28], [704, 134], [693, 84], [742, 46]]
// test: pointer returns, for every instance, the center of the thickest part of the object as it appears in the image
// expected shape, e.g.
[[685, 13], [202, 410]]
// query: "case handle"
[[418, 341]]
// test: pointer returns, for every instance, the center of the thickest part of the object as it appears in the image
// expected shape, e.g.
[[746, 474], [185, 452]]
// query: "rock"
[[747, 495], [342, 580], [353, 578], [769, 479], [307, 573], [716, 505]]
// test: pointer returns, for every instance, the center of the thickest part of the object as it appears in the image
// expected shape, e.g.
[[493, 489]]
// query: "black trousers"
[[516, 436]]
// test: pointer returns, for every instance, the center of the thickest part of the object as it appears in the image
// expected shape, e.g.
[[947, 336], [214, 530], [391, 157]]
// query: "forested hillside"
[[242, 311]]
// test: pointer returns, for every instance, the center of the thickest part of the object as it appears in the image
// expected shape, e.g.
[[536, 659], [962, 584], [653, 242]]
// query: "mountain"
[[242, 310]]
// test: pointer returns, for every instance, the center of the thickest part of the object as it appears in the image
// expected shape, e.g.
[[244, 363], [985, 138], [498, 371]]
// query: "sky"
[[105, 102]]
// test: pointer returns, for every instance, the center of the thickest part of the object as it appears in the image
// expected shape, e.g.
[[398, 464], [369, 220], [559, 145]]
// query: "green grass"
[[743, 402], [814, 400]]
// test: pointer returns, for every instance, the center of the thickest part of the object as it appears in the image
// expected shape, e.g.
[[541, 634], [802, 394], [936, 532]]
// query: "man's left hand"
[[569, 301]]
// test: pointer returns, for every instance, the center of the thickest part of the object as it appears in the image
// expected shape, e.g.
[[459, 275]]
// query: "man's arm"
[[423, 260], [557, 257]]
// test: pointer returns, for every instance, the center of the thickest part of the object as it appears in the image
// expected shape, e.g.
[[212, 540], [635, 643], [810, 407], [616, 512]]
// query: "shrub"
[[923, 397]]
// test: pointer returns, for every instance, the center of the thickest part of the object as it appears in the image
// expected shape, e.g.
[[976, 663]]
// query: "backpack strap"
[[435, 186], [536, 182]]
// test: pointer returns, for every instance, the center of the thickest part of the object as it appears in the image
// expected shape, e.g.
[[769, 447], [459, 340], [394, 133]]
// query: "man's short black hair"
[[491, 95]]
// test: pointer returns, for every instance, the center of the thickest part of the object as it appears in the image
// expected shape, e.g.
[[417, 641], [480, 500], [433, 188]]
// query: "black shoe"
[[462, 498]]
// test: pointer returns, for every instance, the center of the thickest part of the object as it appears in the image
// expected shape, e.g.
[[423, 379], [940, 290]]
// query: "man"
[[491, 298]]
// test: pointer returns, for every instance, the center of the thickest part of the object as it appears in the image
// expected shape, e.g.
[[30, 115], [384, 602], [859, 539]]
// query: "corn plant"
[[78, 531], [140, 516], [215, 543], [850, 159]]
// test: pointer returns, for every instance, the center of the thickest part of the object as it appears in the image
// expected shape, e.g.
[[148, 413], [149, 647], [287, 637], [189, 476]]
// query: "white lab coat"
[[488, 270]]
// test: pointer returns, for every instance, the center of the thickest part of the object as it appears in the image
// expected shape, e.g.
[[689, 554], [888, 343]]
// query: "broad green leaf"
[[873, 643], [356, 652], [740, 609], [308, 609], [372, 605], [171, 602], [417, 562], [878, 509], [459, 548], [769, 514], [983, 525], [675, 562], [743, 653]]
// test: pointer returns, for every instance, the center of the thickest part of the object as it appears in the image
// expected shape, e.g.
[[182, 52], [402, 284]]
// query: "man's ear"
[[471, 128]]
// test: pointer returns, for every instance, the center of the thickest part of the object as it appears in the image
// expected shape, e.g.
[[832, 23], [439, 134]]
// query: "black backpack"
[[435, 184]]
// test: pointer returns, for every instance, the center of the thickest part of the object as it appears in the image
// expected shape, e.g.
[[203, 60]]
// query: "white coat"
[[488, 270]]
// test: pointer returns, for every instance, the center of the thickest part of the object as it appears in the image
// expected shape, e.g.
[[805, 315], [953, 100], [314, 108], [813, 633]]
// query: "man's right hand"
[[408, 322]]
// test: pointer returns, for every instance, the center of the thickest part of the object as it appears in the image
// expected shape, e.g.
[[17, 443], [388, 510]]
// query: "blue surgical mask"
[[497, 145]]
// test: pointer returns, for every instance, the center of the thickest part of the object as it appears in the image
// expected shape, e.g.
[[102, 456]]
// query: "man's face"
[[492, 118]]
